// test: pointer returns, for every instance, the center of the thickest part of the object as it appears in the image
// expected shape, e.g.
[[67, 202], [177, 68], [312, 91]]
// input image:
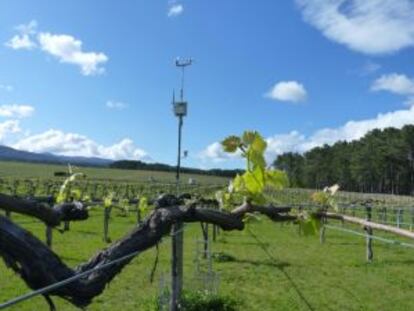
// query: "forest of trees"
[[382, 161]]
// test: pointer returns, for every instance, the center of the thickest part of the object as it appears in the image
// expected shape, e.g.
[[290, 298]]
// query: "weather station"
[[180, 111]]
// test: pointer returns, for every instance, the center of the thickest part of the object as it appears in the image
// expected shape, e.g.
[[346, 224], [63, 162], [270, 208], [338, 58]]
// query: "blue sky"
[[95, 78]]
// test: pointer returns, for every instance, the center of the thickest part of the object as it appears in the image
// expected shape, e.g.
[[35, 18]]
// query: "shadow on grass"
[[224, 258], [280, 265], [263, 246], [88, 232], [384, 263], [344, 243]]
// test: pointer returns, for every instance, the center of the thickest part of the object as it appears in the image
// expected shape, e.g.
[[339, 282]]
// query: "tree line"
[[382, 161], [139, 165]]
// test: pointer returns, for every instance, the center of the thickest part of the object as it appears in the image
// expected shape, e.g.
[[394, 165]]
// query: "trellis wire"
[[59, 284], [389, 241]]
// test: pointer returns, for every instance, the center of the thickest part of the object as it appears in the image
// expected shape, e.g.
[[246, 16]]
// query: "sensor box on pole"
[[180, 109]]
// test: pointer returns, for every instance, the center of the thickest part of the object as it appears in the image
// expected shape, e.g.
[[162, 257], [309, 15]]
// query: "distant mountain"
[[11, 154]]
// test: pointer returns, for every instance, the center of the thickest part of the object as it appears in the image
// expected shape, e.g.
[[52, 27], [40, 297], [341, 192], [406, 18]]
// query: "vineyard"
[[207, 156], [276, 249]]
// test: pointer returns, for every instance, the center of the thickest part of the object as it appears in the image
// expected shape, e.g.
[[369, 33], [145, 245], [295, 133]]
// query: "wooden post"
[[107, 215], [49, 236], [370, 253]]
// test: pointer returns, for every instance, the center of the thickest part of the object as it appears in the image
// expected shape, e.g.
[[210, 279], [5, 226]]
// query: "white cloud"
[[65, 48], [20, 42], [16, 111], [296, 142], [367, 26], [216, 153], [282, 143], [72, 144], [290, 91], [23, 40], [116, 105], [394, 83], [9, 127], [69, 50], [27, 29], [6, 87], [175, 9]]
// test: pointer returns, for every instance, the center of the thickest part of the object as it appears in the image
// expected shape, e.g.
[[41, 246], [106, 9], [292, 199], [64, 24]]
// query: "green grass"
[[303, 274], [21, 170]]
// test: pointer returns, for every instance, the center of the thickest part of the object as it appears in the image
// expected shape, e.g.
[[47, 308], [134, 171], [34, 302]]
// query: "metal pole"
[[177, 240], [177, 176], [182, 84], [177, 229]]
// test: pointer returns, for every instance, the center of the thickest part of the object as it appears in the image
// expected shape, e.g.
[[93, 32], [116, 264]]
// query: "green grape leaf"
[[277, 179], [238, 183], [61, 198], [231, 143], [143, 204], [259, 175], [316, 223], [107, 202], [249, 137], [320, 197], [306, 227], [253, 186], [76, 194], [227, 200], [259, 144], [310, 225], [86, 198], [256, 158]]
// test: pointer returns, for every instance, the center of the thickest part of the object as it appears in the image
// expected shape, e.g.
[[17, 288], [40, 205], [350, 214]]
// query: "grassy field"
[[46, 171], [302, 275], [299, 274]]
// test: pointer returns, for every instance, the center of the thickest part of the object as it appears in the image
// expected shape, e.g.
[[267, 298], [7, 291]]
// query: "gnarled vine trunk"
[[39, 266]]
